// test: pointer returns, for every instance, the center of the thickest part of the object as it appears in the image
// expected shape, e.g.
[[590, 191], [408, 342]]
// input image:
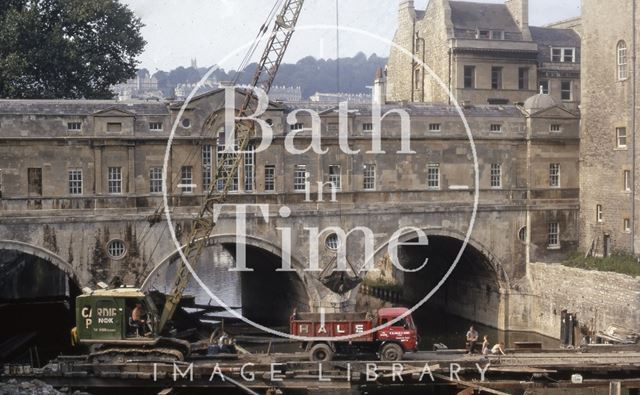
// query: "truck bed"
[[334, 325]]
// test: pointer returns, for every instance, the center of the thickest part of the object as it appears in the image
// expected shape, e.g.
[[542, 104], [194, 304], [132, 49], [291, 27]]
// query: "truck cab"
[[403, 333]]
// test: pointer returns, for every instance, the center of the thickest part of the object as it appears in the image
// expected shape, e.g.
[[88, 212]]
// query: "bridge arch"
[[291, 288], [44, 254], [477, 288]]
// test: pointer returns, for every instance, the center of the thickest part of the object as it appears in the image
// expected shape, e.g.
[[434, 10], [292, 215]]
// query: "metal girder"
[[227, 166]]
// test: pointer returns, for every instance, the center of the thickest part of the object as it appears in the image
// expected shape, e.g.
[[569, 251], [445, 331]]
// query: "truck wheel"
[[321, 353], [391, 352]]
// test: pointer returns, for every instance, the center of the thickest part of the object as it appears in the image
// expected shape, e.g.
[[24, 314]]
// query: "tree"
[[66, 48]]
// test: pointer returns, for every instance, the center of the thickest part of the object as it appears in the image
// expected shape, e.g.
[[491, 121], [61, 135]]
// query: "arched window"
[[623, 72]]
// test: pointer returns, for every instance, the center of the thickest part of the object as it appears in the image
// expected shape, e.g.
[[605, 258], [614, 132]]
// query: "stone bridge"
[[103, 228]]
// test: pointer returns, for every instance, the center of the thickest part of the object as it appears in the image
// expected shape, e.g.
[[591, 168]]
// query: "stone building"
[[609, 193], [482, 53], [91, 173]]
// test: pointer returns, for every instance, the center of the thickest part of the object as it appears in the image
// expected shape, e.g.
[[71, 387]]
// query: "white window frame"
[[186, 179], [75, 182], [622, 60], [153, 127], [155, 180], [621, 137], [555, 128], [369, 177], [496, 176], [300, 178], [565, 54], [599, 215], [563, 91], [433, 176], [335, 176], [114, 180], [207, 167], [495, 128], [554, 175], [627, 180], [74, 126], [626, 225], [249, 168], [225, 160], [367, 127], [296, 126], [269, 178], [435, 127], [553, 235]]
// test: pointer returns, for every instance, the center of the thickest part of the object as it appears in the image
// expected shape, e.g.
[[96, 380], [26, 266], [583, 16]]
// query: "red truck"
[[389, 343]]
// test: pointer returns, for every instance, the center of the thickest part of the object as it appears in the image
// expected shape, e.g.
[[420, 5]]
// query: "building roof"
[[538, 102], [469, 15], [80, 107], [547, 37], [420, 109]]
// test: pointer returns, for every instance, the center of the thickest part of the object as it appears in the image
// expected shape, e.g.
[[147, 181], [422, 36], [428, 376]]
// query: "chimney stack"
[[520, 11], [380, 88], [406, 7]]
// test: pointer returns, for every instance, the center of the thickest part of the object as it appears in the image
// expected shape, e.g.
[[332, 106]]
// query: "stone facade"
[[47, 146], [608, 189], [481, 53]]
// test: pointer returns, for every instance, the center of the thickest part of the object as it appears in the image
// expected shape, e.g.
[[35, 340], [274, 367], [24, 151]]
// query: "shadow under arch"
[[268, 296], [477, 288], [38, 290]]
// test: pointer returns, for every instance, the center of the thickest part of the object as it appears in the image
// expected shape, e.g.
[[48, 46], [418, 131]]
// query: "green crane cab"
[[120, 324]]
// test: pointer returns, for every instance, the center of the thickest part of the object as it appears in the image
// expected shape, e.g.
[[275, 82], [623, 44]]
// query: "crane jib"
[[227, 167]]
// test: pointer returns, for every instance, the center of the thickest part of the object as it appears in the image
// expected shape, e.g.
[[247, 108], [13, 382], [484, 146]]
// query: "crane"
[[227, 169]]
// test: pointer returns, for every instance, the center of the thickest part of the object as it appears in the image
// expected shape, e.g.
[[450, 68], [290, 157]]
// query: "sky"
[[215, 31]]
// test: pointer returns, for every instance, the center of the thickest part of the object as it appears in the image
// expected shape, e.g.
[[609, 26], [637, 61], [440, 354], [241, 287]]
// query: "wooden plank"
[[469, 385]]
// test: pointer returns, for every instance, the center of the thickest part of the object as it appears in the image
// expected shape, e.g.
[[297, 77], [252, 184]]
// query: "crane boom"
[[228, 165]]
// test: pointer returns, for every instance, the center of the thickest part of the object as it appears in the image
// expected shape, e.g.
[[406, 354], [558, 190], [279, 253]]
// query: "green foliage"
[[617, 262], [66, 48]]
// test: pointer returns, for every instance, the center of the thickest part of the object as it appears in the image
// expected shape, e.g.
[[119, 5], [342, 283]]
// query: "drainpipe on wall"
[[634, 74], [413, 62]]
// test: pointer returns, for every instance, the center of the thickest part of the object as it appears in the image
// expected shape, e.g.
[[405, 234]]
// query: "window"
[[623, 71], [225, 159], [369, 177], [469, 77], [544, 87], [249, 168], [155, 126], [155, 180], [186, 179], [335, 177], [332, 242], [626, 225], [483, 34], [206, 167], [75, 182], [114, 127], [627, 180], [599, 213], [621, 137], [116, 249], [367, 127], [74, 126], [435, 127], [269, 178], [495, 128], [114, 180], [555, 128], [496, 78], [496, 175], [554, 235], [34, 179], [566, 90], [416, 80], [554, 175], [186, 123], [523, 78], [433, 176], [497, 35], [299, 178], [563, 55], [522, 234], [297, 126]]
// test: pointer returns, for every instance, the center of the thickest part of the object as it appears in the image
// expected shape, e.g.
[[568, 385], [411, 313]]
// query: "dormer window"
[[483, 34], [497, 35], [563, 55], [74, 126]]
